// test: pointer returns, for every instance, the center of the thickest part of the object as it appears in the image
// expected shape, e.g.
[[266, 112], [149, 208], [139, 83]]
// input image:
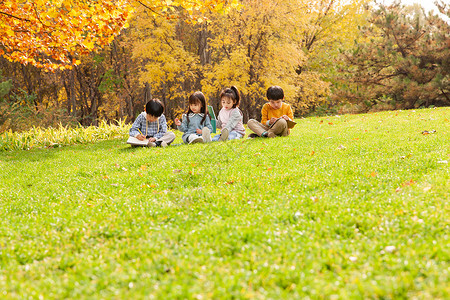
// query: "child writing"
[[196, 123], [152, 124], [273, 115], [230, 116]]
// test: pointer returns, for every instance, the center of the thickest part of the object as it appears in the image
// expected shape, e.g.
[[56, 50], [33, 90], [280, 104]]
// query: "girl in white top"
[[230, 118]]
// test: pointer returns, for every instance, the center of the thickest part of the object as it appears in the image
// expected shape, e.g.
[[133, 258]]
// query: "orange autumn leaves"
[[54, 34]]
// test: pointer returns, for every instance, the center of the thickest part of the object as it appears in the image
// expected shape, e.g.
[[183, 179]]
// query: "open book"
[[290, 123], [135, 142]]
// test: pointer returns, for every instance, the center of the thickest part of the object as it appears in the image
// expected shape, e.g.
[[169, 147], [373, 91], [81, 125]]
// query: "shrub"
[[61, 135]]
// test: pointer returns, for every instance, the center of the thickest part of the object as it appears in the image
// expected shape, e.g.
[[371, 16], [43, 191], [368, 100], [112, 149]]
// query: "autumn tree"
[[92, 77], [54, 34], [291, 43], [404, 64], [253, 47], [329, 27], [166, 50]]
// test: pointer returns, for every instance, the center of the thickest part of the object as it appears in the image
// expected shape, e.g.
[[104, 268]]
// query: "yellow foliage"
[[312, 91], [254, 47], [168, 66], [48, 34]]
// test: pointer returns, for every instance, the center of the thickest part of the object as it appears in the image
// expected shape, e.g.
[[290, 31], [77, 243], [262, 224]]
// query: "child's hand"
[[177, 122], [152, 139], [140, 137], [285, 117], [199, 131], [272, 120]]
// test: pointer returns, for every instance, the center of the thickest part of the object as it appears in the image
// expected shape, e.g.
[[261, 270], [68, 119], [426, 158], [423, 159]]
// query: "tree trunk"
[[203, 48]]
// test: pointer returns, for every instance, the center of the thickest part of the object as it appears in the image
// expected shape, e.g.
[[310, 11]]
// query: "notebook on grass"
[[135, 142]]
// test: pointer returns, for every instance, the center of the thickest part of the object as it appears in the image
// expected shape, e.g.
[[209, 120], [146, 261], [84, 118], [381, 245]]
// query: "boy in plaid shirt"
[[152, 124]]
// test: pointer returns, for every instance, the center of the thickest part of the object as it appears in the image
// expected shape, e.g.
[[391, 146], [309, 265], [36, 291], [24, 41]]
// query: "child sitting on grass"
[[273, 116], [230, 116], [152, 124], [196, 123]]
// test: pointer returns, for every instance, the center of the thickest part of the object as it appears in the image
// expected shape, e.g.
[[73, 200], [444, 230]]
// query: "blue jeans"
[[233, 135]]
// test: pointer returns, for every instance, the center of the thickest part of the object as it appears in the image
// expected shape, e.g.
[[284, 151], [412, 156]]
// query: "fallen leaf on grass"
[[143, 167], [425, 132], [408, 183], [229, 182], [330, 123], [314, 198], [312, 153], [341, 147], [373, 174], [176, 171], [399, 212], [398, 190]]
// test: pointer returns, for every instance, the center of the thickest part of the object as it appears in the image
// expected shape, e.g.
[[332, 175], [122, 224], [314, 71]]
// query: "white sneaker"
[[164, 144], [224, 135], [206, 135]]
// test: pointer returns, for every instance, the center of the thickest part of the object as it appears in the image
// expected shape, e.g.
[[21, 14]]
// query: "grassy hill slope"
[[352, 206]]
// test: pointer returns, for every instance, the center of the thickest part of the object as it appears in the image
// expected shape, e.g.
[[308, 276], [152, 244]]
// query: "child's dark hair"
[[231, 93], [275, 93], [198, 97], [154, 108]]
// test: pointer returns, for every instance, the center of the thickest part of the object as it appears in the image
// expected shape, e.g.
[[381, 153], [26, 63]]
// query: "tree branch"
[[11, 16]]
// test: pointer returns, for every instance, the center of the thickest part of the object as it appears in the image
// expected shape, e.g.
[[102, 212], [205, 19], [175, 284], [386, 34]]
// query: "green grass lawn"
[[352, 206]]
